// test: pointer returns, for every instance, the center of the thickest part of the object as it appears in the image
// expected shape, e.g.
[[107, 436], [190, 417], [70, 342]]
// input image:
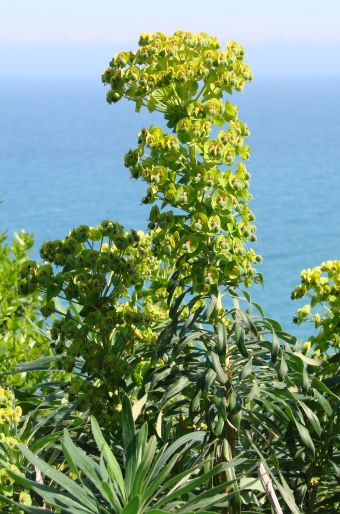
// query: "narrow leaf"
[[176, 388], [255, 392], [323, 402], [132, 507], [159, 424], [65, 482], [109, 457], [222, 377], [138, 407], [130, 443], [312, 418], [275, 347], [283, 369], [221, 343], [240, 340], [248, 321], [308, 360], [209, 310], [306, 439], [246, 370]]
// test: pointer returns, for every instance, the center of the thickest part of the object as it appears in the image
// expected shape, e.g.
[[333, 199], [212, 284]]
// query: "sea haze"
[[61, 165]]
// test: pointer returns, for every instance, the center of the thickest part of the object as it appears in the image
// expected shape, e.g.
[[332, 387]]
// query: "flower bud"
[[113, 96]]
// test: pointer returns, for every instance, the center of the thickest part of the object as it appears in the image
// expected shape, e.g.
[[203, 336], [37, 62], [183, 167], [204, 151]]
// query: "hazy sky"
[[78, 37]]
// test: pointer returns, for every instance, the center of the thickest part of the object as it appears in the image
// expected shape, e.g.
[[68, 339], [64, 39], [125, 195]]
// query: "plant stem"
[[268, 487], [312, 499], [192, 154]]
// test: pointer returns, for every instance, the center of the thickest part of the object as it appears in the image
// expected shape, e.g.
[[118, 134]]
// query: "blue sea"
[[61, 165]]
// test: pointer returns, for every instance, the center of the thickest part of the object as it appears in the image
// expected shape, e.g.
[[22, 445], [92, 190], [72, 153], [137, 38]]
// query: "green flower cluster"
[[9, 412], [183, 59], [188, 170], [10, 415], [322, 285], [105, 311]]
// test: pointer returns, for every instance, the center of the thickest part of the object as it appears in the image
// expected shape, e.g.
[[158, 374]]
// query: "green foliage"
[[163, 319], [19, 339], [317, 483], [38, 430], [144, 483], [10, 457], [322, 285]]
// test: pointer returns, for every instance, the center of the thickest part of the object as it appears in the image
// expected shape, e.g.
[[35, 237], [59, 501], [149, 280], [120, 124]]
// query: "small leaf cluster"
[[322, 285]]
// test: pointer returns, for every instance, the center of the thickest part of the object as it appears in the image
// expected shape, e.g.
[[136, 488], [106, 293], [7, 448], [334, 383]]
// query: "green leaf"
[[159, 424], [208, 498], [305, 381], [259, 308], [130, 443], [172, 284], [222, 377], [247, 320], [240, 338], [307, 360], [264, 419], [221, 403], [246, 370], [132, 507], [42, 442], [67, 501], [78, 459], [283, 369], [176, 388], [274, 409], [312, 418], [190, 321], [173, 312], [306, 439], [114, 468], [255, 391], [196, 402], [36, 365], [172, 449], [144, 466], [322, 388], [66, 483], [151, 104], [323, 402], [222, 339], [29, 508], [138, 407], [210, 308], [275, 347]]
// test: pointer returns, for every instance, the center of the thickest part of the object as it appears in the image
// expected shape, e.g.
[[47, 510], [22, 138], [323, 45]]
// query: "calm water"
[[61, 164]]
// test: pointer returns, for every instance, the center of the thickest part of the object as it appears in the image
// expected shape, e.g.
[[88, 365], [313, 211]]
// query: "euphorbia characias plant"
[[220, 361], [145, 313]]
